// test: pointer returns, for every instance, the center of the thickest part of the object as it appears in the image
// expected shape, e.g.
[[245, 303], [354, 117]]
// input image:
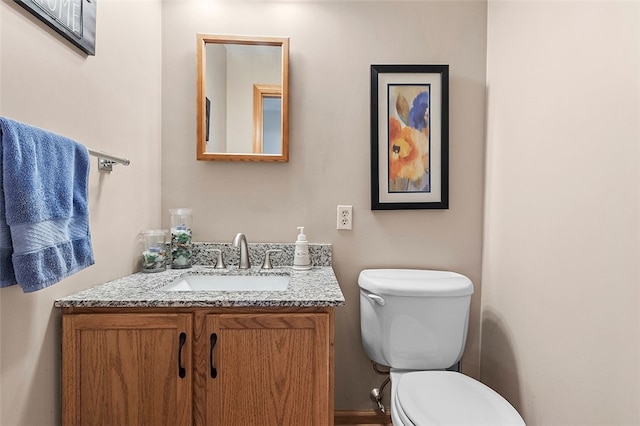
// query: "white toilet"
[[415, 322]]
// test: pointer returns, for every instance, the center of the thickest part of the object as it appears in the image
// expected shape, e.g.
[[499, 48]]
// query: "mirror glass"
[[242, 98]]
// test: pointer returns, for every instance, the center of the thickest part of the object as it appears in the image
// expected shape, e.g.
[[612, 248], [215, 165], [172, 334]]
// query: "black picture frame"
[[409, 137], [74, 20]]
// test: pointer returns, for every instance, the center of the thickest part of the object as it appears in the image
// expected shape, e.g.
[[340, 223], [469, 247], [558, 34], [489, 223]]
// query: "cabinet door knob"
[[182, 372], [214, 371]]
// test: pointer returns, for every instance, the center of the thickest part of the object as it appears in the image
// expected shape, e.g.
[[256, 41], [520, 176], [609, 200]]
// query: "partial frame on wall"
[[74, 20], [409, 137]]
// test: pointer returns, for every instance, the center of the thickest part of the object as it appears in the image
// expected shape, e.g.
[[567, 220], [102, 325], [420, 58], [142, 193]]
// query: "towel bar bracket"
[[106, 165], [106, 161]]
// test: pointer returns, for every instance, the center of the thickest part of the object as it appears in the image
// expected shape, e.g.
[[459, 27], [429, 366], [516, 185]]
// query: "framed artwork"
[[409, 137], [74, 20]]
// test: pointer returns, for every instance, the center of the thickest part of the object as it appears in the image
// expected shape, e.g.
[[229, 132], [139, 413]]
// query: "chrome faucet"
[[241, 241]]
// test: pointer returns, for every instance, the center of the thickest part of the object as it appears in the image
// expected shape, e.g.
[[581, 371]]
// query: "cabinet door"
[[126, 369], [269, 369]]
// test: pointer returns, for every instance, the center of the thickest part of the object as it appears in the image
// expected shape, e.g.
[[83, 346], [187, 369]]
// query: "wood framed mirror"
[[242, 91]]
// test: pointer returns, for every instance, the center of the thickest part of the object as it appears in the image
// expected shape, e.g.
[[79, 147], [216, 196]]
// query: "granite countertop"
[[317, 287]]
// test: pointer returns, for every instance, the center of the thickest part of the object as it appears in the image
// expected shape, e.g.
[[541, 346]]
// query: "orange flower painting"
[[409, 138]]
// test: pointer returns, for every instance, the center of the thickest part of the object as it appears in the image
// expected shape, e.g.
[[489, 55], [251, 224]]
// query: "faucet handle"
[[219, 261], [267, 258]]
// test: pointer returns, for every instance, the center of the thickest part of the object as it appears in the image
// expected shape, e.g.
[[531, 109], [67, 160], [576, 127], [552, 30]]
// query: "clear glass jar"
[[181, 245], [154, 254]]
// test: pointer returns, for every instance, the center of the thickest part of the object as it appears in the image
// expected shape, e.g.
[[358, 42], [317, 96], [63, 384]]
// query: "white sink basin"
[[229, 283]]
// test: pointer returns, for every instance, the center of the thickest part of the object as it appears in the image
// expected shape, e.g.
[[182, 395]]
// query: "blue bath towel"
[[44, 215]]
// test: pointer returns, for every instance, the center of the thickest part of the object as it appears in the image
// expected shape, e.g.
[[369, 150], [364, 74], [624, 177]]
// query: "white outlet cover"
[[344, 217]]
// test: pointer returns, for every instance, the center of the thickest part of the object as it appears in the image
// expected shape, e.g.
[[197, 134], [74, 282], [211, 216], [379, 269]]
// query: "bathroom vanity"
[[133, 353]]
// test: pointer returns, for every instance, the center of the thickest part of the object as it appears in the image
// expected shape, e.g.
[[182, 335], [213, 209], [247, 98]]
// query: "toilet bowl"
[[415, 322], [447, 398]]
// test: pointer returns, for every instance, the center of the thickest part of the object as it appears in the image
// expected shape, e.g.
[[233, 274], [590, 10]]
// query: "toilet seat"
[[448, 398]]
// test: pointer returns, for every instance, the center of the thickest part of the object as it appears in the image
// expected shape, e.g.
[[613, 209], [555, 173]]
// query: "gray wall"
[[560, 324], [109, 102], [332, 47]]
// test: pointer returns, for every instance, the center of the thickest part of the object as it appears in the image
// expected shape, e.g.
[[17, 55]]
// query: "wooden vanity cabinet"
[[126, 369], [266, 369], [236, 366]]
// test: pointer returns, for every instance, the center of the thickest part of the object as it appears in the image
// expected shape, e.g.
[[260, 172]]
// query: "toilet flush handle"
[[379, 300]]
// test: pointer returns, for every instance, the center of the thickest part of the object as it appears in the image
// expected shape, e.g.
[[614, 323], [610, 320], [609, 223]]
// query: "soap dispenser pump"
[[301, 259]]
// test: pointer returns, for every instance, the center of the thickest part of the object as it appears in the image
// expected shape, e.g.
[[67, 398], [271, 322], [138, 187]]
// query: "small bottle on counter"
[[301, 260], [181, 245]]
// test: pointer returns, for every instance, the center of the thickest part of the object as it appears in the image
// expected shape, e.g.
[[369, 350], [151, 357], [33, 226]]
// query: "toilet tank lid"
[[415, 282]]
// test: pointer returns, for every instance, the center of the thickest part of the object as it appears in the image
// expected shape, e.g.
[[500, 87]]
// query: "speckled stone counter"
[[317, 287]]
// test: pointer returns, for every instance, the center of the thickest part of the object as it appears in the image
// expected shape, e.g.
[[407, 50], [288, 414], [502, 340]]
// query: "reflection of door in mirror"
[[242, 98], [267, 107]]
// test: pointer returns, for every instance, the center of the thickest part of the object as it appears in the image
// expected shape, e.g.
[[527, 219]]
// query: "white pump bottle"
[[301, 260]]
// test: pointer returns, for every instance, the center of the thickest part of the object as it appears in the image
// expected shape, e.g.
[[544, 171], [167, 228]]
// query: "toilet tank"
[[414, 319]]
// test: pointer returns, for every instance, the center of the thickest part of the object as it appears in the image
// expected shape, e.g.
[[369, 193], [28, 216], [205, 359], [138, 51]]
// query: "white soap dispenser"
[[301, 259]]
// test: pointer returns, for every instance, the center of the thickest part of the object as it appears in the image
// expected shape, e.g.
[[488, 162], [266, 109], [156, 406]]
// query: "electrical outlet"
[[345, 217]]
